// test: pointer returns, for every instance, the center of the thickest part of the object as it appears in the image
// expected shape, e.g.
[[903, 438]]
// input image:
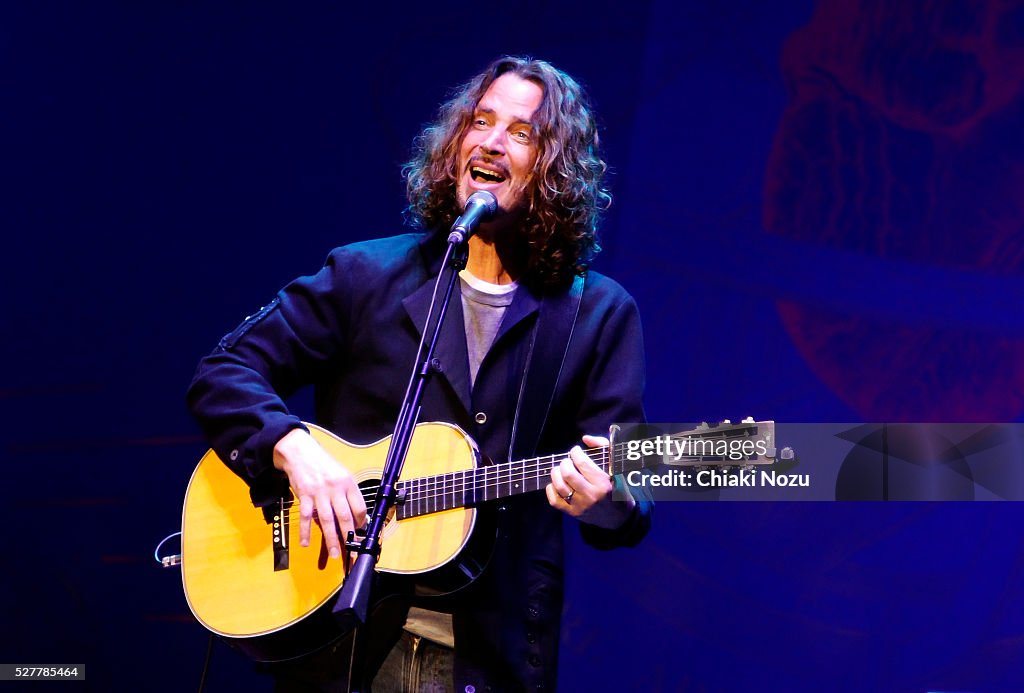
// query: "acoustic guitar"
[[247, 578]]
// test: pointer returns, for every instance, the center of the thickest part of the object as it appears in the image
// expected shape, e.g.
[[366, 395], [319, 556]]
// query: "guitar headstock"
[[748, 442]]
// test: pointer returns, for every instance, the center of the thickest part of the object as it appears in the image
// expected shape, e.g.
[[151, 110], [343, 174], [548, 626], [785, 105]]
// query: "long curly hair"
[[566, 194]]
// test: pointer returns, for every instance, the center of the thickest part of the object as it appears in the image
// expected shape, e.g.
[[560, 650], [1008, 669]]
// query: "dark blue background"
[[168, 166]]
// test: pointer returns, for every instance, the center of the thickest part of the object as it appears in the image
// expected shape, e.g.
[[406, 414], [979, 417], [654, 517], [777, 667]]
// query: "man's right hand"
[[323, 484]]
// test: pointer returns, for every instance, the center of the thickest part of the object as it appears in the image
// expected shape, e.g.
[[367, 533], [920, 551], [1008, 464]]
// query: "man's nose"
[[494, 143]]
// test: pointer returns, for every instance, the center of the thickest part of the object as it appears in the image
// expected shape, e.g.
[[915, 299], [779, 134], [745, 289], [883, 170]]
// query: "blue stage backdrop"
[[818, 207]]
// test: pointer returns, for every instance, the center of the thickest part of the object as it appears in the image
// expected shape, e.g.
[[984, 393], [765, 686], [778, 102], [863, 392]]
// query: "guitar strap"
[[544, 360]]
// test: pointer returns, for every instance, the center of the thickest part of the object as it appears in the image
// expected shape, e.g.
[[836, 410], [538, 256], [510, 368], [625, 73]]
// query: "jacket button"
[[531, 637], [480, 418], [233, 455], [534, 613], [534, 660]]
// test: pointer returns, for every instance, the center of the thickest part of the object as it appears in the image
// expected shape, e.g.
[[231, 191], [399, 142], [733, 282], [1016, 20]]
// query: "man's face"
[[499, 148]]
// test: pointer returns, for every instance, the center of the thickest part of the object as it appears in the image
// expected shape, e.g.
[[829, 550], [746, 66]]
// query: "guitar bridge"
[[279, 525]]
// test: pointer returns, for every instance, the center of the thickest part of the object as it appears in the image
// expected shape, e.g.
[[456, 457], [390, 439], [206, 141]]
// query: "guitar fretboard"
[[471, 487]]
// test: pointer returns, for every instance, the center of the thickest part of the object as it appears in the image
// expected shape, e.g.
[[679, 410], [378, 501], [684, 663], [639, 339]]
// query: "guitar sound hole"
[[369, 490]]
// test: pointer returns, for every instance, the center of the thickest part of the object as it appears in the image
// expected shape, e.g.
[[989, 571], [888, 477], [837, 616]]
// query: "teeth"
[[487, 173]]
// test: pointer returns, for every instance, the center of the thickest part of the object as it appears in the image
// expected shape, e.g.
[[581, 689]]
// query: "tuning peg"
[[703, 426], [725, 422], [749, 419], [787, 454]]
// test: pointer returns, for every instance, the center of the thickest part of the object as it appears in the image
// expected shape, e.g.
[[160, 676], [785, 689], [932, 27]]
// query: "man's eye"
[[522, 135]]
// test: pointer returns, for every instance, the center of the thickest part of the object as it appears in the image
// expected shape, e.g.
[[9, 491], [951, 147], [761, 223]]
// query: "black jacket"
[[352, 330]]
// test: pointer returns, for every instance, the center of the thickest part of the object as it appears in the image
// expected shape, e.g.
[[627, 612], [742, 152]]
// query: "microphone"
[[479, 207]]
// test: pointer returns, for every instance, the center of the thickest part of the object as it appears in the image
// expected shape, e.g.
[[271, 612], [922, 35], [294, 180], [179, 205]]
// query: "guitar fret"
[[533, 474], [450, 496], [410, 498]]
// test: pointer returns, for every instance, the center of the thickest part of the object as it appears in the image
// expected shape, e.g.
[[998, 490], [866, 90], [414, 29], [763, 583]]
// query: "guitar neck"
[[431, 494]]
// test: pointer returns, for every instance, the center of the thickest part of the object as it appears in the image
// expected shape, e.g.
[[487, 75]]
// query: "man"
[[525, 132]]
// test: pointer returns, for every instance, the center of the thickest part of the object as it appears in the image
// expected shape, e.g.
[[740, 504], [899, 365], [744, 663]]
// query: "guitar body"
[[247, 578]]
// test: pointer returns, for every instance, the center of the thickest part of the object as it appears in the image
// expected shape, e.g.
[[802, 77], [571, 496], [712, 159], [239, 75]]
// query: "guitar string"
[[536, 464], [449, 484], [515, 473], [438, 492], [441, 487], [424, 495], [436, 496], [438, 489]]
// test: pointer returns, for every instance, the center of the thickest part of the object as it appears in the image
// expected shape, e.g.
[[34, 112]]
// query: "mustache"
[[489, 163]]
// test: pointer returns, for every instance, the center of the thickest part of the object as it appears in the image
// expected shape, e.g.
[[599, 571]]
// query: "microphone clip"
[[480, 206]]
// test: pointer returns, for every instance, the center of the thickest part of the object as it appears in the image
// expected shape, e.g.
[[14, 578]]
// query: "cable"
[[167, 561], [206, 664]]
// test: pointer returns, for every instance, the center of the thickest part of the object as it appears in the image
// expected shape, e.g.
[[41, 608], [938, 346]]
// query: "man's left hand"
[[582, 489]]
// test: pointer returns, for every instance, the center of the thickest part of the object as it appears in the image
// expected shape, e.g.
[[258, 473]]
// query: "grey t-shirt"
[[483, 306]]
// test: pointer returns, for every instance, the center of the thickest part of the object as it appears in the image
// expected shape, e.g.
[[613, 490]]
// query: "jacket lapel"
[[451, 344], [524, 304]]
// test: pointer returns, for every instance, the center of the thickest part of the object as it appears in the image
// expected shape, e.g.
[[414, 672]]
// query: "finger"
[[557, 501], [343, 513], [571, 469], [357, 504], [588, 469], [554, 500], [305, 518], [595, 441], [328, 525], [561, 487]]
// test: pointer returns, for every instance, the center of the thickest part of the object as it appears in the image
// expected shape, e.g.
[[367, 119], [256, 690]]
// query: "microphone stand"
[[350, 610]]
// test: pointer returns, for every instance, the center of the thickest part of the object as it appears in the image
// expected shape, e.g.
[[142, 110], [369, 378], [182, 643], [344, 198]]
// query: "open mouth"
[[486, 175]]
